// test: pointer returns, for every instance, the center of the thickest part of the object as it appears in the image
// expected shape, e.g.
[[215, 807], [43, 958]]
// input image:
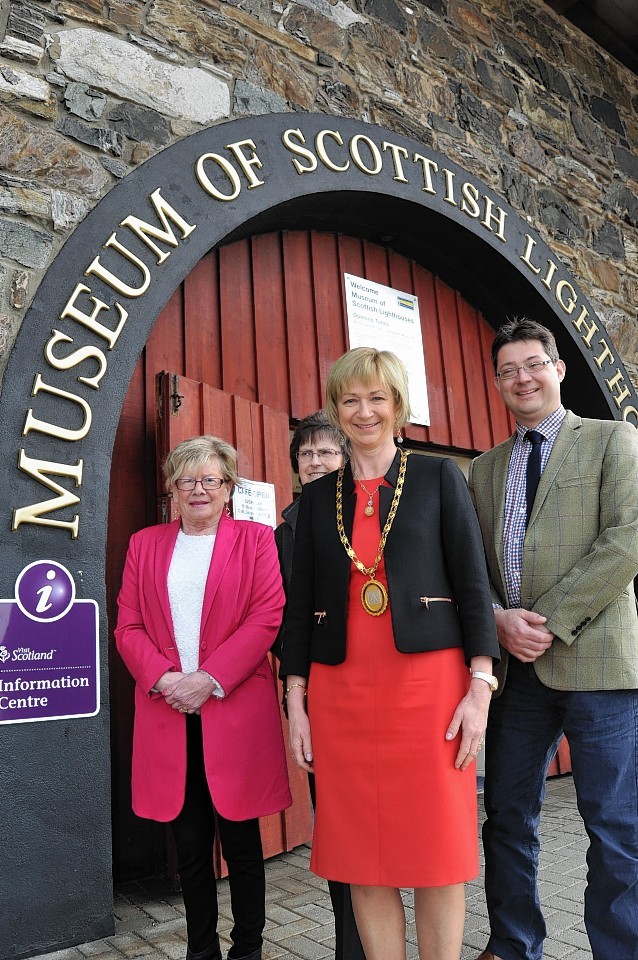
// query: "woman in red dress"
[[388, 655]]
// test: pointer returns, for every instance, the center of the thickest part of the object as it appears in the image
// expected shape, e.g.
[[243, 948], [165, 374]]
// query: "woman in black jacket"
[[390, 636], [318, 448]]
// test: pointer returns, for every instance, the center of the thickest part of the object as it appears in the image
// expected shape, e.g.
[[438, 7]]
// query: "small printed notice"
[[388, 319], [254, 500], [49, 666]]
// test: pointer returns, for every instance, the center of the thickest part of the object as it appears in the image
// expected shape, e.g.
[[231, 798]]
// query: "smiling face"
[[367, 416], [200, 509], [318, 456], [531, 397]]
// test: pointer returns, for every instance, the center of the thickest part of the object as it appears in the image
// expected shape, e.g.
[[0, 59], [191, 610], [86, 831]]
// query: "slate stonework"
[[91, 88]]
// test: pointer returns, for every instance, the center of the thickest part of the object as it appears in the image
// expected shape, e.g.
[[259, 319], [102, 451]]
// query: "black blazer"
[[285, 540], [434, 549]]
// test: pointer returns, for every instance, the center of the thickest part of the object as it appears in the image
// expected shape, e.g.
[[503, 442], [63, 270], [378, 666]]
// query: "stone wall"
[[91, 88]]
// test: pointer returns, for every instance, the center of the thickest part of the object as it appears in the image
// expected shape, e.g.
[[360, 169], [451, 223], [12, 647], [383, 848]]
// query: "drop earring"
[[228, 513]]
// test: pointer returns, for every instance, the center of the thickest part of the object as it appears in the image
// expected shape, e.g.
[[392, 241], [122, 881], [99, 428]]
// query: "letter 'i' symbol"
[[44, 594]]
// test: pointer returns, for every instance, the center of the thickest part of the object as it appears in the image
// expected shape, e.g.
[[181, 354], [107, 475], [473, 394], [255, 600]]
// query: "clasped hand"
[[185, 692], [523, 633]]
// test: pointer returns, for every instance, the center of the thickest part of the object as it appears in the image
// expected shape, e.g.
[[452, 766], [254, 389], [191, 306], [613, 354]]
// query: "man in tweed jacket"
[[565, 610]]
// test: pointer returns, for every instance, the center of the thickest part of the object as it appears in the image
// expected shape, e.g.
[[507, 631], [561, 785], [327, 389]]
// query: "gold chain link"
[[370, 571]]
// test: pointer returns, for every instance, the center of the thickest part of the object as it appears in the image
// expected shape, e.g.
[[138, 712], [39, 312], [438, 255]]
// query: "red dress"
[[391, 808]]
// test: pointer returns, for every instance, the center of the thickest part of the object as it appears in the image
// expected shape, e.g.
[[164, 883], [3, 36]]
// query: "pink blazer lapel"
[[227, 534]]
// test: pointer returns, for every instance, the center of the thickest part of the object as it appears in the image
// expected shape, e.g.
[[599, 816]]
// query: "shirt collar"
[[549, 427]]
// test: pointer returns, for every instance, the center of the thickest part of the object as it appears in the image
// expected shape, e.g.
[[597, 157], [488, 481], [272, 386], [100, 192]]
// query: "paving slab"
[[150, 925]]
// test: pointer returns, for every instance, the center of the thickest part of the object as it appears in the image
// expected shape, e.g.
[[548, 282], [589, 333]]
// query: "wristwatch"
[[489, 679]]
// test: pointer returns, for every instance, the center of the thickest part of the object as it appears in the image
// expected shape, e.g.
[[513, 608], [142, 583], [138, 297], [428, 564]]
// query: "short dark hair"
[[522, 328], [311, 426]]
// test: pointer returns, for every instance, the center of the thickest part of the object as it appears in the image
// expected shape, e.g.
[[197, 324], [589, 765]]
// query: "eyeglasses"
[[534, 366], [305, 456], [208, 483]]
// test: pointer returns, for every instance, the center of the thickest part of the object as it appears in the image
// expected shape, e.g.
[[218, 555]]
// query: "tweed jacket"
[[580, 553], [434, 549]]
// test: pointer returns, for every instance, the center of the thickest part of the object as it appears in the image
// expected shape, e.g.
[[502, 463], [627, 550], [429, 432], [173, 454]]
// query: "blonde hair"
[[196, 452], [368, 366]]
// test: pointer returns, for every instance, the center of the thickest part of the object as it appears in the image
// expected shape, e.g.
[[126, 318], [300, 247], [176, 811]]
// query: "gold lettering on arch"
[[40, 470]]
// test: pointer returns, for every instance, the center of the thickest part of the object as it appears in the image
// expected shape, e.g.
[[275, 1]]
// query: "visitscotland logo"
[[26, 653]]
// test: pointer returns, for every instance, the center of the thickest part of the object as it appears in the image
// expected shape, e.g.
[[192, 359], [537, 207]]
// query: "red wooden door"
[[260, 321], [185, 409], [562, 762]]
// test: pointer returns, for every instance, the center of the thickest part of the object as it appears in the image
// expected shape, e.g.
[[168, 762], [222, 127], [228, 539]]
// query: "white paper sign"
[[255, 501], [389, 319]]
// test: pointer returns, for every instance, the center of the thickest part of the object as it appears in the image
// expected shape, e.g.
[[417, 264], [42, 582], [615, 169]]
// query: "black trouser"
[[194, 833], [347, 942]]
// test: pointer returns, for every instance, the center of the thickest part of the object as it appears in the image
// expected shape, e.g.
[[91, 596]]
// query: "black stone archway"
[[63, 392]]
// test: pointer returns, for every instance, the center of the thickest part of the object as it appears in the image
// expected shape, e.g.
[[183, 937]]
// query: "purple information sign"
[[49, 667]]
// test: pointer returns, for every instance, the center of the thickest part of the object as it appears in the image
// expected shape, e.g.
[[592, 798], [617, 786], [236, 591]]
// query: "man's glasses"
[[208, 483], [305, 456], [534, 366]]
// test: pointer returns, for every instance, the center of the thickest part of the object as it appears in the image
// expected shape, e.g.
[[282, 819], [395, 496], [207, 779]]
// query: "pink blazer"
[[243, 743]]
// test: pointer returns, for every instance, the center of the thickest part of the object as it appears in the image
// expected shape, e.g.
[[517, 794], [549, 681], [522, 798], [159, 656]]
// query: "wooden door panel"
[[375, 259], [248, 438], [277, 310], [472, 353], [453, 368], [217, 412], [202, 331], [239, 365], [270, 323], [305, 392], [138, 845], [259, 322], [328, 295], [277, 470], [438, 431]]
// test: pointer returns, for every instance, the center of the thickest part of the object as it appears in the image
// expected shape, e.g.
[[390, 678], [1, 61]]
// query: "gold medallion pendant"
[[374, 598], [369, 507]]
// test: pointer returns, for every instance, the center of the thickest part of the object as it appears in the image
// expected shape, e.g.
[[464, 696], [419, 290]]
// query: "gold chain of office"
[[374, 596]]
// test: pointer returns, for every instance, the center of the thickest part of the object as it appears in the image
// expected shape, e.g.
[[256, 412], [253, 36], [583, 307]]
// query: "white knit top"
[[186, 585]]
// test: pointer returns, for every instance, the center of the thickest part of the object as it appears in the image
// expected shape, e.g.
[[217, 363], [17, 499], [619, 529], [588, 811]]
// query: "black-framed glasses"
[[208, 483], [326, 453], [534, 366]]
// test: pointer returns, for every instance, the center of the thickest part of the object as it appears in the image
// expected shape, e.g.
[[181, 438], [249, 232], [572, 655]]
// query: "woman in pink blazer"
[[200, 606]]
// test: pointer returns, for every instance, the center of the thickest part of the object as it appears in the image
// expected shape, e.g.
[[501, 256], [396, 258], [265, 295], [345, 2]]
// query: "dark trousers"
[[524, 727], [194, 833], [347, 942]]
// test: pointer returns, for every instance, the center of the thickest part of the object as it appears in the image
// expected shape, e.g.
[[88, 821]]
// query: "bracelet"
[[293, 685]]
